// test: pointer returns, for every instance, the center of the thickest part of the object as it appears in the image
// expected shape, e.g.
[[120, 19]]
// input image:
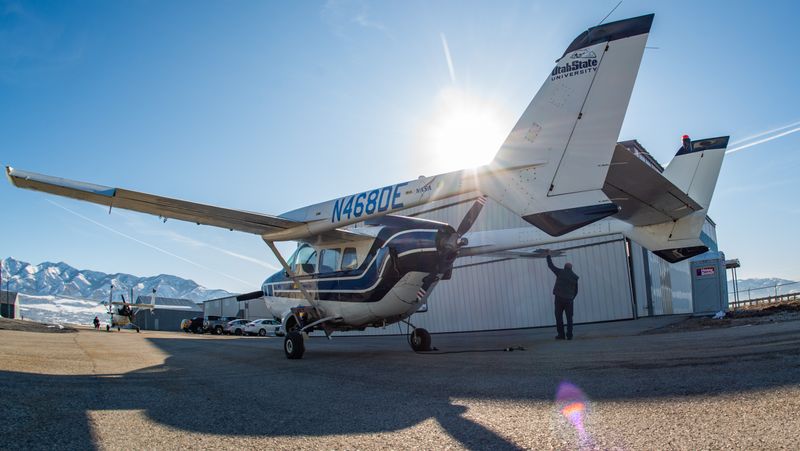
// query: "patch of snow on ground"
[[60, 309]]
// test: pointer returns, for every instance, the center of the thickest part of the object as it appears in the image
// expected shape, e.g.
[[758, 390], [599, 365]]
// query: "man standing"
[[565, 290]]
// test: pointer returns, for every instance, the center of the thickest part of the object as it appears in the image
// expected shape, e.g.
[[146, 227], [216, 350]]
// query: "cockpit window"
[[306, 256], [329, 260], [349, 259]]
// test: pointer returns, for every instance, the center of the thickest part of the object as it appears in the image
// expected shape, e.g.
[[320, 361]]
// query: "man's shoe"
[[569, 337], [559, 337]]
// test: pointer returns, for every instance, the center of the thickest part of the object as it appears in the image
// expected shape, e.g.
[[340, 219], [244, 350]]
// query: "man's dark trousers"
[[563, 306]]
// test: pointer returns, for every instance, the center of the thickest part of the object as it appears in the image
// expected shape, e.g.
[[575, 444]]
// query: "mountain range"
[[61, 279]]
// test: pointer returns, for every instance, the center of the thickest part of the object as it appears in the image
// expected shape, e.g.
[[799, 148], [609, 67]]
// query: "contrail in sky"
[[449, 59], [151, 246], [194, 242], [768, 132], [763, 140]]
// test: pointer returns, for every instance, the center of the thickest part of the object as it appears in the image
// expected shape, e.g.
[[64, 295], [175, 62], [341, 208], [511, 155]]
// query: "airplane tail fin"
[[694, 171], [695, 168], [552, 166]]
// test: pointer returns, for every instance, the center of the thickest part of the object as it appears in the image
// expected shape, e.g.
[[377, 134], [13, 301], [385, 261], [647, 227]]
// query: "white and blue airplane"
[[561, 169]]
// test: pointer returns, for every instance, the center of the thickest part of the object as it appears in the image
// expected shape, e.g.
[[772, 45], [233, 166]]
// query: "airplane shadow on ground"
[[243, 388]]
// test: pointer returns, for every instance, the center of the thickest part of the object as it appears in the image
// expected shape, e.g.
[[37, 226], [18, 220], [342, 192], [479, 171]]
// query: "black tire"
[[294, 345], [420, 340], [262, 333], [137, 330], [108, 328], [238, 332], [118, 329], [218, 330]]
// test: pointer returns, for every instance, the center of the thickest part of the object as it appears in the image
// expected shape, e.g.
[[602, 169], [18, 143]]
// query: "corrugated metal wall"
[[163, 319], [222, 307]]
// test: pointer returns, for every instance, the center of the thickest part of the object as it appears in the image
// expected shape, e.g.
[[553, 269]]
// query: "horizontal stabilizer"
[[644, 195], [681, 254]]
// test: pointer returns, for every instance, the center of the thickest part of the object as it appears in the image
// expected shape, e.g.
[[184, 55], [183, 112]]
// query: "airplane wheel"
[[262, 333], [293, 345], [420, 340]]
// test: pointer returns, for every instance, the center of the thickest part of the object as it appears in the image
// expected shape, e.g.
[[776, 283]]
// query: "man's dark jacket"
[[566, 281]]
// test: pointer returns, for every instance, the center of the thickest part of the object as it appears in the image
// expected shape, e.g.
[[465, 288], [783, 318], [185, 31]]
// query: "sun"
[[464, 131]]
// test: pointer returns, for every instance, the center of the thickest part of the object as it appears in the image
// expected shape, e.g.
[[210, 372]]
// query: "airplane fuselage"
[[380, 281]]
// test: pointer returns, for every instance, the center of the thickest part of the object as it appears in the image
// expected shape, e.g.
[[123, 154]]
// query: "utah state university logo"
[[583, 62]]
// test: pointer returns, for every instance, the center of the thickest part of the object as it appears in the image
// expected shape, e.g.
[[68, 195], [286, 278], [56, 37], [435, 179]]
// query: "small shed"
[[167, 315]]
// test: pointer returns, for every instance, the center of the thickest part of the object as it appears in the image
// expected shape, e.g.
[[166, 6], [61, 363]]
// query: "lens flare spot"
[[571, 411], [573, 406]]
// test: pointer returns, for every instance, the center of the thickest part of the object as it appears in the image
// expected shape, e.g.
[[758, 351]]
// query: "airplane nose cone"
[[448, 245]]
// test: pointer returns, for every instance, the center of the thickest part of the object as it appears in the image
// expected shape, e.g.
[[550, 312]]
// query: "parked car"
[[235, 327], [263, 327], [216, 324], [195, 325]]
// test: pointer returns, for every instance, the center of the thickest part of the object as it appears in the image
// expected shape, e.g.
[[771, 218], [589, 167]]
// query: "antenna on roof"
[[610, 12]]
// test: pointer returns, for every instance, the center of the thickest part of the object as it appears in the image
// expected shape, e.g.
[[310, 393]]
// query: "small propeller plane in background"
[[120, 314], [560, 169]]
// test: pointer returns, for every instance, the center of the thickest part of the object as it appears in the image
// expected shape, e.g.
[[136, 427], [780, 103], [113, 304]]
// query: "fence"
[[765, 295]]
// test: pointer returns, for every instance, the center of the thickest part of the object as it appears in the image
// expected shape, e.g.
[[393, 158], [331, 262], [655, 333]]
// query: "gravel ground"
[[730, 388]]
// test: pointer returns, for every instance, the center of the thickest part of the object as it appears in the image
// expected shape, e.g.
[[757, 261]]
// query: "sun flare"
[[464, 131]]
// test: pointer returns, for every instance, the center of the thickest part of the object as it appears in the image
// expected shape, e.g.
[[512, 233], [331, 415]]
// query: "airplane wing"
[[243, 221]]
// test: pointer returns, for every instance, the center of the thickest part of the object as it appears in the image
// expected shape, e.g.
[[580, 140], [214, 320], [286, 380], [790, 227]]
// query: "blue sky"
[[269, 106]]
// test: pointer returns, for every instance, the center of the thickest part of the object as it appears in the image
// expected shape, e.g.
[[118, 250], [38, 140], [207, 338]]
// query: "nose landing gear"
[[420, 340]]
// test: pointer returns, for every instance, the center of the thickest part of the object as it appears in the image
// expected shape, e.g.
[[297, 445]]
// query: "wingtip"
[[9, 170]]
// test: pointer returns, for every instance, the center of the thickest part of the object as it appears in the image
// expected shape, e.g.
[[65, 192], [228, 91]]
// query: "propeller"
[[471, 216], [453, 242]]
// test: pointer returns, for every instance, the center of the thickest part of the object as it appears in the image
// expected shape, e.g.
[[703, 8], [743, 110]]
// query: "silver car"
[[235, 327]]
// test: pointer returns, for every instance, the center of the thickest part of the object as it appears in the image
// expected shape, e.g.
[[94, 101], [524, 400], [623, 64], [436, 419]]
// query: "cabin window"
[[349, 259], [307, 257], [329, 260]]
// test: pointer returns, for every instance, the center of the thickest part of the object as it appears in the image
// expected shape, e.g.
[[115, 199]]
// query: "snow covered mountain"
[[61, 279]]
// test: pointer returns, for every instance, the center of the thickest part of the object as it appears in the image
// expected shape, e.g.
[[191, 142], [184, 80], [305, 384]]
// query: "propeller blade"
[[471, 216]]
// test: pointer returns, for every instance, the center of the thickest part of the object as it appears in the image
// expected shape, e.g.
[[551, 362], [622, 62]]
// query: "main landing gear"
[[294, 345]]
